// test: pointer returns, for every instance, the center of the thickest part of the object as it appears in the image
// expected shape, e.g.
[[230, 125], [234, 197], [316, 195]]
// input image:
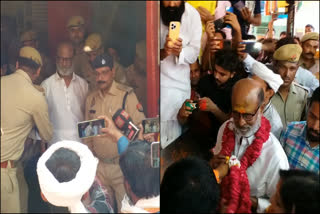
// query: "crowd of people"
[[46, 163], [255, 112]]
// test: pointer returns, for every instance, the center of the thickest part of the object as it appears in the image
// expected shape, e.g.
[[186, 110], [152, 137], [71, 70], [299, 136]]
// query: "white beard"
[[253, 129], [65, 71]]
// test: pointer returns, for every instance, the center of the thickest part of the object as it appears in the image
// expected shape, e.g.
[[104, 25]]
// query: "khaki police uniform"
[[105, 149], [294, 107], [22, 107]]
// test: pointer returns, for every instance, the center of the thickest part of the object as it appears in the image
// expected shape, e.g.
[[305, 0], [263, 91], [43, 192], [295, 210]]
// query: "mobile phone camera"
[[173, 26]]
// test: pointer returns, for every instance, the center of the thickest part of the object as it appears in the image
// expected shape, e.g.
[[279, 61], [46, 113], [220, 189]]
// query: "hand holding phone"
[[174, 30], [90, 128], [252, 47]]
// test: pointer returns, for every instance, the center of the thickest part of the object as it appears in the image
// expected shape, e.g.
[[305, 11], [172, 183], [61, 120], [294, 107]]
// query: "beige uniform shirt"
[[22, 107], [97, 105], [292, 109]]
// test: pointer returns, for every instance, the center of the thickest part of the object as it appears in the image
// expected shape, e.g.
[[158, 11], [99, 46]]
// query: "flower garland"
[[235, 187]]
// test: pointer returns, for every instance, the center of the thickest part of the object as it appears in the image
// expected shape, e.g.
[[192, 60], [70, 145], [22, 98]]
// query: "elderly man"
[[301, 139], [30, 38], [106, 100], [65, 93], [270, 82], [22, 107], [247, 136], [176, 57], [309, 44]]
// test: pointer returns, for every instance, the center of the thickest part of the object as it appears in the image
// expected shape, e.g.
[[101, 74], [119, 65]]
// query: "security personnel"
[[93, 47], [22, 107], [106, 100], [291, 99], [310, 44], [30, 38]]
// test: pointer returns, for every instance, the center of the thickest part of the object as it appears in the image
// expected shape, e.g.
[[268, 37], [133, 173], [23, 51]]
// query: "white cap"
[[68, 194], [272, 79]]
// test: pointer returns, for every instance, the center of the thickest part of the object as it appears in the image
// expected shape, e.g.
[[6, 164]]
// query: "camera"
[[173, 26]]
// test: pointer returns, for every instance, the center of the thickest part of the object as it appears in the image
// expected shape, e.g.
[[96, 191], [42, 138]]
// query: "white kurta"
[[263, 175], [66, 106], [175, 73]]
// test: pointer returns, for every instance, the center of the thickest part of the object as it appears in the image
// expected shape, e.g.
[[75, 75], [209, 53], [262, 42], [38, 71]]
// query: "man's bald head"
[[247, 92], [65, 46], [247, 98]]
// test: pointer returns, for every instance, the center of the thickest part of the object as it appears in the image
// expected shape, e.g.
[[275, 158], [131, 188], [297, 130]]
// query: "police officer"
[[22, 107], [310, 44], [291, 99], [93, 47], [106, 100], [30, 38]]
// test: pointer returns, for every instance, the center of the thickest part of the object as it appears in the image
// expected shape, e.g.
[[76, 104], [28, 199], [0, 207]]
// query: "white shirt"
[[263, 175], [66, 106], [175, 83]]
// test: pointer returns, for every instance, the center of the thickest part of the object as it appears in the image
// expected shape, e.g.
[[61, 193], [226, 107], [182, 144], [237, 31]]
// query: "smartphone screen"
[[151, 125], [252, 46], [90, 128], [155, 154]]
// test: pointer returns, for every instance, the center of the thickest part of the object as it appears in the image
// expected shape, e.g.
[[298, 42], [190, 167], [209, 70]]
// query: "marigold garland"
[[235, 187]]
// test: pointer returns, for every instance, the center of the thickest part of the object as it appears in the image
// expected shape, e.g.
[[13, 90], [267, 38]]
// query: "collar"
[[267, 106], [24, 74], [112, 91], [293, 88], [57, 77]]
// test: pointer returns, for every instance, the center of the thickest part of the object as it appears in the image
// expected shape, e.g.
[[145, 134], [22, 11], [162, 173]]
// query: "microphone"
[[124, 122]]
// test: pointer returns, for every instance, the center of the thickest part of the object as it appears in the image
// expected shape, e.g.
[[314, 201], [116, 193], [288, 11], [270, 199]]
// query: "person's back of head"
[[189, 186], [64, 164], [299, 191], [135, 164], [285, 41]]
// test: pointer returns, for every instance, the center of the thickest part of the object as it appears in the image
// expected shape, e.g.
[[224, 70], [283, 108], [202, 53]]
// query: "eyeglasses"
[[246, 116]]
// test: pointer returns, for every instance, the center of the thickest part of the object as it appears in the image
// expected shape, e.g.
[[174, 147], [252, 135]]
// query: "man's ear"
[[232, 74], [43, 197]]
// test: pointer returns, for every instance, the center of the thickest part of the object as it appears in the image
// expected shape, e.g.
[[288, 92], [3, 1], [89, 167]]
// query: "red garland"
[[235, 187]]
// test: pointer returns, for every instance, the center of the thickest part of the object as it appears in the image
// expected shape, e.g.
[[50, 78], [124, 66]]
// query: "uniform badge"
[[139, 107], [293, 57]]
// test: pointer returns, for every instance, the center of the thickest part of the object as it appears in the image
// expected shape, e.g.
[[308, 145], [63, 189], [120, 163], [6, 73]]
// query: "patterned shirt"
[[99, 201], [300, 154]]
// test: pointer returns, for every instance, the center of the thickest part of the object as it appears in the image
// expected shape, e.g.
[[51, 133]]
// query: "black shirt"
[[205, 124]]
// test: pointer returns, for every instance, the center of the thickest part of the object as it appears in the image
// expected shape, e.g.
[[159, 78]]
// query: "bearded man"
[[65, 93], [247, 136], [176, 57]]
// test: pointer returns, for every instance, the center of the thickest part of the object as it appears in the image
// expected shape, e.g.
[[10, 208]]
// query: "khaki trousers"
[[111, 178], [10, 201]]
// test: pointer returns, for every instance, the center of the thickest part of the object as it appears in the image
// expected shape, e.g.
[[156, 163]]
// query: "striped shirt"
[[300, 154]]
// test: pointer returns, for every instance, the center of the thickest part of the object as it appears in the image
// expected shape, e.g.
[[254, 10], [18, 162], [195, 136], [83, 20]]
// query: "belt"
[[4, 164], [110, 160]]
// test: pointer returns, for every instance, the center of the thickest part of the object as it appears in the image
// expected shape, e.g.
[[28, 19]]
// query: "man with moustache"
[[215, 92], [176, 57], [291, 99], [301, 139], [247, 136], [107, 99], [309, 44], [65, 93]]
